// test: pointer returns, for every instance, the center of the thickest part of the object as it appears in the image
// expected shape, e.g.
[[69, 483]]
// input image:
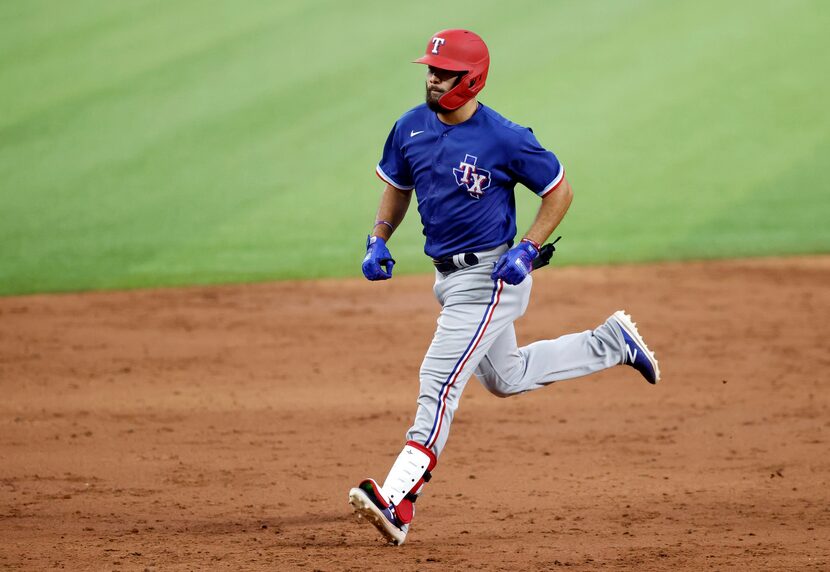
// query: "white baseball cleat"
[[637, 354], [368, 503]]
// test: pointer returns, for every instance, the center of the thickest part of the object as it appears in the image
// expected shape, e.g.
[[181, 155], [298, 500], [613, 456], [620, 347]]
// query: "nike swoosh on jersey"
[[414, 133]]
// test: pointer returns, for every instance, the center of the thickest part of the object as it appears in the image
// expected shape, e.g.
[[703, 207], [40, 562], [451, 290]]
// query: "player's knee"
[[430, 372], [505, 382], [500, 393], [498, 386]]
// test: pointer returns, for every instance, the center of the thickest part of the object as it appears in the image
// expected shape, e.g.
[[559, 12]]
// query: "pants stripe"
[[462, 361]]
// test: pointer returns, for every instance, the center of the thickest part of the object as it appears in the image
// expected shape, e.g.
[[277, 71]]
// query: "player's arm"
[[393, 206], [551, 212], [515, 264], [378, 262]]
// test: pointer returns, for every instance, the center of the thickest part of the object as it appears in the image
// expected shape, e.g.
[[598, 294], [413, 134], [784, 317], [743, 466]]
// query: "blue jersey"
[[464, 176]]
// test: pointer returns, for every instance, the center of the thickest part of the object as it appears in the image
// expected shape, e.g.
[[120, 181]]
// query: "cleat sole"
[[366, 510]]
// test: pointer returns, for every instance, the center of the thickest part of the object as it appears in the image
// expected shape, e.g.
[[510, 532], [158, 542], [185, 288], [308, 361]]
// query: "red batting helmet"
[[462, 51]]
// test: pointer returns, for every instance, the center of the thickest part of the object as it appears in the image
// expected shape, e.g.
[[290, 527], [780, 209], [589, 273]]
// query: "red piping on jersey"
[[389, 182], [550, 190]]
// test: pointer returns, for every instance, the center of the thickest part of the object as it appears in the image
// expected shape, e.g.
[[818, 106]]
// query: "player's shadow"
[[313, 529]]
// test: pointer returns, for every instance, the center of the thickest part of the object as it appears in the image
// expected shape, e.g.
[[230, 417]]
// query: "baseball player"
[[463, 160]]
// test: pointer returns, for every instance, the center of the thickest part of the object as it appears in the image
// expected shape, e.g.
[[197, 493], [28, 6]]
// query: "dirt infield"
[[220, 428]]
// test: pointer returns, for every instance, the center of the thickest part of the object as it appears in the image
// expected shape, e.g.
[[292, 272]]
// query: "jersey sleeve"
[[535, 167], [393, 168]]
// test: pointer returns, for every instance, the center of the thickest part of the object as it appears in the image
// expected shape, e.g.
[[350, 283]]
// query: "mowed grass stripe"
[[152, 143]]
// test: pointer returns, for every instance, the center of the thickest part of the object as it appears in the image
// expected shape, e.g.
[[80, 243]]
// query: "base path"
[[221, 428]]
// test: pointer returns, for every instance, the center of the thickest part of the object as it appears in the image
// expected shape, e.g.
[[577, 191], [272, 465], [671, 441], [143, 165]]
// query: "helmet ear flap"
[[464, 90]]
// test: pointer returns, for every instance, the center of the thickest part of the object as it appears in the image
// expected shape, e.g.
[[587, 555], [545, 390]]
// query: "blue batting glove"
[[378, 262], [515, 264]]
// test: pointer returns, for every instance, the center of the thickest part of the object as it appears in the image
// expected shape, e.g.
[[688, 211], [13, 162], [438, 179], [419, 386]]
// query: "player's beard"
[[432, 97]]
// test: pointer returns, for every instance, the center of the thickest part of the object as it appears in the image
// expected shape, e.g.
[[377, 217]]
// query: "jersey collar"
[[442, 127]]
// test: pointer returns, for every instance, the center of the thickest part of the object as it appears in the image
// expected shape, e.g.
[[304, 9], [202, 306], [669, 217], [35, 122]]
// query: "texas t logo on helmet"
[[436, 41], [460, 51]]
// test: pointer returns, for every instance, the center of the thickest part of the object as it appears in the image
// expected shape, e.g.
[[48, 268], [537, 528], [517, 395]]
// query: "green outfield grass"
[[149, 143]]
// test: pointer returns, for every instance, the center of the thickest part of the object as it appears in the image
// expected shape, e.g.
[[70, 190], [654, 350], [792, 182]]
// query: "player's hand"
[[515, 264], [378, 262]]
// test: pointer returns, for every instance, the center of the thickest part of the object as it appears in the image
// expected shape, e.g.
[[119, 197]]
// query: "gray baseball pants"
[[475, 334]]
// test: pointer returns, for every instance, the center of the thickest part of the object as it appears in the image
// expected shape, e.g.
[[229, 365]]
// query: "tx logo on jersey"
[[475, 179]]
